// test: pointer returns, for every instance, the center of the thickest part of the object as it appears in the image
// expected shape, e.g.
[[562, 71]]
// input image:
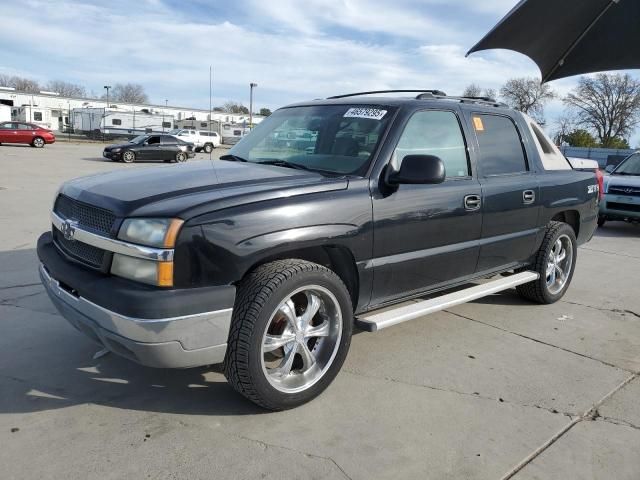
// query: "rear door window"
[[153, 141], [169, 140], [501, 150]]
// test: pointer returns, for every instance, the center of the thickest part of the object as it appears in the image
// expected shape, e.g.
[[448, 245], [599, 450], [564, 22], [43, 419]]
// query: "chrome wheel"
[[128, 156], [559, 263], [38, 142], [301, 339], [180, 157]]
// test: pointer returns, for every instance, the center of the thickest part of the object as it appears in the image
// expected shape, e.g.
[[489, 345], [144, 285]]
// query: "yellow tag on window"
[[477, 123]]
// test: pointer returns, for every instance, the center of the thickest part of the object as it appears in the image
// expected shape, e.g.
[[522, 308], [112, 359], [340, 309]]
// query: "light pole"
[[166, 103], [251, 87], [107, 87]]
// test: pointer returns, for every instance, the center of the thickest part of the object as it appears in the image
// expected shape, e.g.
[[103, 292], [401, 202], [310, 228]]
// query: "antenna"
[[213, 164]]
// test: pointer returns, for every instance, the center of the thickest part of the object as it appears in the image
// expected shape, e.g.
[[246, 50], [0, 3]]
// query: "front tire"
[[37, 142], [601, 221], [555, 262], [128, 157], [208, 148], [290, 333], [181, 157]]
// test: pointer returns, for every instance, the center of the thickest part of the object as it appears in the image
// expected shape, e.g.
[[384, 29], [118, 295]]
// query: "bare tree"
[[66, 89], [127, 93], [235, 107], [5, 80], [527, 95], [21, 84], [472, 90], [475, 90], [607, 104], [564, 124]]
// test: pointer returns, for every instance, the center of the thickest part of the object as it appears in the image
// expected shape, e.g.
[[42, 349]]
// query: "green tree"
[[265, 112], [617, 142], [580, 138]]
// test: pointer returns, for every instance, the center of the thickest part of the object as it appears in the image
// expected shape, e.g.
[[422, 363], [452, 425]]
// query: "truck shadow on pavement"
[[46, 364], [618, 229]]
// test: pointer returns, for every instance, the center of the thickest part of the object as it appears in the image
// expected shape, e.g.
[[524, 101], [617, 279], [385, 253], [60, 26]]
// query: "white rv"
[[5, 113], [116, 122], [32, 114]]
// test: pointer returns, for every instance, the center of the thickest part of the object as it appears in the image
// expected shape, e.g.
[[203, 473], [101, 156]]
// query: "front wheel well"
[[337, 258], [571, 218]]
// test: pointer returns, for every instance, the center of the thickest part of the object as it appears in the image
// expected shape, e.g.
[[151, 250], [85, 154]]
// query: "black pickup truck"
[[328, 211]]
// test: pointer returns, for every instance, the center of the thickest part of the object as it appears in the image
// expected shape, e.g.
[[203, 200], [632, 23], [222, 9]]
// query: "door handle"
[[528, 197], [471, 202]]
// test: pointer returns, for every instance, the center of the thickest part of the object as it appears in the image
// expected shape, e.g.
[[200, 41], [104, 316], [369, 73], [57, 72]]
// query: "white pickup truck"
[[201, 140]]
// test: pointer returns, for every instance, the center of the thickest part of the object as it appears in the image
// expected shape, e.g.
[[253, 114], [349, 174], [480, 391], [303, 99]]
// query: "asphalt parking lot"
[[486, 390]]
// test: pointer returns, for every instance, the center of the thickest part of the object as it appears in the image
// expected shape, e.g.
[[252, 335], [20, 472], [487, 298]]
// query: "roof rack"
[[429, 95], [357, 94]]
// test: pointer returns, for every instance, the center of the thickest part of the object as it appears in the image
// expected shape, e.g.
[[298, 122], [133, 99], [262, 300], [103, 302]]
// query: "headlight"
[[145, 271], [151, 232]]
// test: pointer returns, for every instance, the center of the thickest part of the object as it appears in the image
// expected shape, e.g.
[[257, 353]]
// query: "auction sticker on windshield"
[[372, 113]]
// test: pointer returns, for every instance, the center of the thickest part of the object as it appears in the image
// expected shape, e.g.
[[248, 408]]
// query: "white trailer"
[[116, 122], [5, 113], [32, 114]]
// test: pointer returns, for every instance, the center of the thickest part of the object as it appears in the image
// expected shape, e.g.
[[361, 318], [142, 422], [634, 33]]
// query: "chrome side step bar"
[[373, 322]]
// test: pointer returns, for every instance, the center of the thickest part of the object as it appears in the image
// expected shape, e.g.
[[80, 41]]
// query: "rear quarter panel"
[[570, 190]]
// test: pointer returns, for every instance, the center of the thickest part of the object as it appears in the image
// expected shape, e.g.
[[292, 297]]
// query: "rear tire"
[[37, 142], [601, 221], [208, 148], [128, 157], [555, 262], [290, 333], [181, 157]]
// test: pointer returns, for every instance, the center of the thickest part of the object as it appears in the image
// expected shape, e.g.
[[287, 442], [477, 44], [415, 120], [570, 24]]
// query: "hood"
[[118, 145], [182, 190], [622, 181]]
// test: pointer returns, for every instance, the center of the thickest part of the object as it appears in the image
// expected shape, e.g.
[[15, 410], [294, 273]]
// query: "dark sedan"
[[146, 148]]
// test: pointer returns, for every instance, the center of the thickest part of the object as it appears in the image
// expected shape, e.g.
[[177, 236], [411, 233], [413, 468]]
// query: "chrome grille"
[[82, 252], [87, 216], [621, 190]]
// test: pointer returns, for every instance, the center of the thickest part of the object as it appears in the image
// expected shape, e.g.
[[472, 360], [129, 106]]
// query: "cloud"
[[294, 50]]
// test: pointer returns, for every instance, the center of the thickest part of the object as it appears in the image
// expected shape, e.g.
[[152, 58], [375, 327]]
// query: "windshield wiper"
[[233, 158], [284, 163]]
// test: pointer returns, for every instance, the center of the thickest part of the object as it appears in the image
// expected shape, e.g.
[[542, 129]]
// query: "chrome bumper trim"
[[113, 245], [192, 340]]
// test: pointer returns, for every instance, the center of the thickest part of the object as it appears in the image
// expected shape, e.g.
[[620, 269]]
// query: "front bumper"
[[164, 328], [112, 155], [620, 207]]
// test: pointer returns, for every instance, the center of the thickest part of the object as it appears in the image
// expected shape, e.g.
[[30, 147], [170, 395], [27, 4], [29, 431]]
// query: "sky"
[[294, 50]]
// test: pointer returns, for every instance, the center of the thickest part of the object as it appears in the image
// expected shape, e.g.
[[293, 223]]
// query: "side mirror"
[[418, 169], [609, 168]]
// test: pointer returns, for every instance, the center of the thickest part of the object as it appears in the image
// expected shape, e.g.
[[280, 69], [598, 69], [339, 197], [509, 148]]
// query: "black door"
[[150, 149], [169, 147], [427, 235], [510, 192]]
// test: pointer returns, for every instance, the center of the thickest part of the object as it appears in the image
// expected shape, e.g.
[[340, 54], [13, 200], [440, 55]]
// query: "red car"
[[29, 133]]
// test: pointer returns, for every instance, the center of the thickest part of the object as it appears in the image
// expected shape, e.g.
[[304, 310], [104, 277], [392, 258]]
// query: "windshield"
[[337, 139], [138, 139], [631, 166]]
